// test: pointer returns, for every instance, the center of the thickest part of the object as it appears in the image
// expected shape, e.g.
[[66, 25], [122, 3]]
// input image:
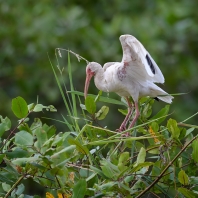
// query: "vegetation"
[[87, 160]]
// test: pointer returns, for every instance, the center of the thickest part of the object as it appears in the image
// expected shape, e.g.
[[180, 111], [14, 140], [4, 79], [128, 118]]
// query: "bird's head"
[[91, 71]]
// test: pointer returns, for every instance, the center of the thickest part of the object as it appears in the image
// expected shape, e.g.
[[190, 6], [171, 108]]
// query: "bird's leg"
[[137, 113], [126, 120]]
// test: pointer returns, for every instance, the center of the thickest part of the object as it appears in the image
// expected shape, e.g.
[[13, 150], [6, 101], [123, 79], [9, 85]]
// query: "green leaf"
[[79, 189], [90, 104], [183, 178], [24, 127], [97, 171], [24, 160], [24, 138], [101, 114], [164, 111], [147, 110], [187, 193], [5, 178], [123, 159], [35, 125], [10, 167], [155, 126], [68, 149], [85, 173], [182, 133], [41, 137], [31, 106], [110, 170], [5, 125], [79, 146], [1, 157], [2, 129], [107, 186], [18, 152], [180, 162], [50, 130], [19, 107], [141, 156], [195, 150], [51, 108], [6, 187], [38, 108], [193, 180], [20, 189], [140, 166], [172, 127], [123, 111], [7, 122], [189, 131]]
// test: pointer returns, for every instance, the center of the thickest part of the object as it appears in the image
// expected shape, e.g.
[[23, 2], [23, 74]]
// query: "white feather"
[[134, 54]]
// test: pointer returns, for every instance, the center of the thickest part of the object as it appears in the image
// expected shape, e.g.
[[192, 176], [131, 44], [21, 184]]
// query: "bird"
[[135, 76]]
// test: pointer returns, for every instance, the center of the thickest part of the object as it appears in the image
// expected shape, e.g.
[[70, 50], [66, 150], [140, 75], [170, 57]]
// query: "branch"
[[14, 186], [166, 168]]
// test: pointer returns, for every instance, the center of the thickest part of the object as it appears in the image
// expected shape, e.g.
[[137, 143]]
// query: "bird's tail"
[[166, 98], [161, 94]]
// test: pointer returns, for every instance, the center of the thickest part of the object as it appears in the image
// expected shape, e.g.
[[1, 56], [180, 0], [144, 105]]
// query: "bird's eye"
[[89, 70]]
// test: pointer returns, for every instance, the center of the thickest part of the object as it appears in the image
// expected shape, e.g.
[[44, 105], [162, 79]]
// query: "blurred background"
[[30, 30]]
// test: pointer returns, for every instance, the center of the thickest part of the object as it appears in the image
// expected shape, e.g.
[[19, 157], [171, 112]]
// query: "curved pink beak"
[[89, 75]]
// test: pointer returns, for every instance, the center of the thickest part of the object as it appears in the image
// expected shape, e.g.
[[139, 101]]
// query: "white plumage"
[[134, 76]]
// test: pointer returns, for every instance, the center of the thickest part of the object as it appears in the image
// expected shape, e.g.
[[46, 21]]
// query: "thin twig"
[[14, 186], [166, 168], [189, 117], [77, 55]]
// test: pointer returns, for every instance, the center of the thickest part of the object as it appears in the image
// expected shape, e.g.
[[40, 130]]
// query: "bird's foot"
[[121, 129], [127, 134]]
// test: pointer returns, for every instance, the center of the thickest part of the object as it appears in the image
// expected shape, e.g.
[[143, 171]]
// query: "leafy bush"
[[87, 160]]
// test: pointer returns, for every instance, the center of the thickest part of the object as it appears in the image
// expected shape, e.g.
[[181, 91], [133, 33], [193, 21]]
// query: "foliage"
[[87, 160]]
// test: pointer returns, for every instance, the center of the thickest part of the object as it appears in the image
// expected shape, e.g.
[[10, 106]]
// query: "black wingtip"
[[156, 98], [150, 64]]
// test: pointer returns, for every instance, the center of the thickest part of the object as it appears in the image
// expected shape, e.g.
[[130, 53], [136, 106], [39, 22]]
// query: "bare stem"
[[14, 186]]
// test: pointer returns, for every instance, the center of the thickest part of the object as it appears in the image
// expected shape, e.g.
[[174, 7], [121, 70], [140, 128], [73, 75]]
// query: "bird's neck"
[[100, 81]]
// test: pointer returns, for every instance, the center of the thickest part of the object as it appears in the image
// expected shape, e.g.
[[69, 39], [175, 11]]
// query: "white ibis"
[[134, 76]]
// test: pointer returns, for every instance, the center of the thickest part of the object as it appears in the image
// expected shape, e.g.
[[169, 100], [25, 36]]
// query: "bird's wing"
[[106, 65], [134, 54]]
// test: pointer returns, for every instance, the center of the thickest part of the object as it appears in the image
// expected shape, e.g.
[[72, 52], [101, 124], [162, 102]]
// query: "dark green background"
[[31, 29]]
